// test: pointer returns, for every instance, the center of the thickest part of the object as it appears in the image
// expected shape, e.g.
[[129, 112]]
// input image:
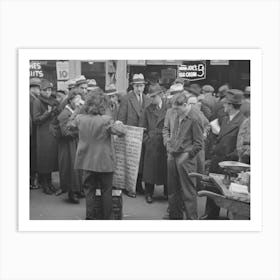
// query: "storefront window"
[[94, 70]]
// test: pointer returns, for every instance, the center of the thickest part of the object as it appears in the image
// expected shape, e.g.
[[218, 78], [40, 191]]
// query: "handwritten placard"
[[128, 153]]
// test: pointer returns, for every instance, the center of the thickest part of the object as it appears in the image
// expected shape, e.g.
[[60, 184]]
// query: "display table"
[[117, 205], [237, 204]]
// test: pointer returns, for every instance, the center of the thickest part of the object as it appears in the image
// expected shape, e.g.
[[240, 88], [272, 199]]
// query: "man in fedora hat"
[[112, 92], [155, 160], [131, 112], [225, 147], [81, 85]]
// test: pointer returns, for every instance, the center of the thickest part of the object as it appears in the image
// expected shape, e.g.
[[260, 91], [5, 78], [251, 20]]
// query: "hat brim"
[[226, 100], [155, 93], [138, 82], [81, 82], [176, 92], [35, 85], [112, 93]]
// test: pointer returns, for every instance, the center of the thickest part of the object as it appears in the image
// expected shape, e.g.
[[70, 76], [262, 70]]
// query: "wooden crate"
[[117, 205]]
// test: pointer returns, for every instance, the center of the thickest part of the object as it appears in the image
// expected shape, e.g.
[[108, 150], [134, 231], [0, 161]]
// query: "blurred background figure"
[[196, 105], [246, 104], [45, 109], [34, 91], [70, 179], [207, 95], [243, 142], [92, 85], [153, 82], [218, 110]]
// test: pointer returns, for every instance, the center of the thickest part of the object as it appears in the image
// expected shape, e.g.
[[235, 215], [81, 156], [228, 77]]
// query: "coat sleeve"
[[166, 129], [144, 123], [65, 129], [39, 117], [122, 113], [197, 130]]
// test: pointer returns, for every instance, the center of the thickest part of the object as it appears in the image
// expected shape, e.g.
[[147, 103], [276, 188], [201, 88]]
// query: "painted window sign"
[[192, 70], [35, 70]]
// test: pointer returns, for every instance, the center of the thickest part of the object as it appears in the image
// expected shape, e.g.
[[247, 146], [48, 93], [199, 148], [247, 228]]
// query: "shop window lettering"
[[36, 70]]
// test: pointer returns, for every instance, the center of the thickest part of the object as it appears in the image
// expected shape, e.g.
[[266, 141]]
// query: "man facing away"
[[182, 148]]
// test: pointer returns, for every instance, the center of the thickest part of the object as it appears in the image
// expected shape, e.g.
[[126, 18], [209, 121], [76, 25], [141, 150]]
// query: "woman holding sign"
[[95, 153]]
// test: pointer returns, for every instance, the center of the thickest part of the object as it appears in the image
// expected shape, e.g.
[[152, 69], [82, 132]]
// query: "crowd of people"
[[188, 128]]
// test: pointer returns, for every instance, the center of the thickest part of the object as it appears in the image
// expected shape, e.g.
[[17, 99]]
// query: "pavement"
[[51, 207]]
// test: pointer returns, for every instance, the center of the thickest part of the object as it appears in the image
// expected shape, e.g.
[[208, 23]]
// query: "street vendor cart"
[[223, 190]]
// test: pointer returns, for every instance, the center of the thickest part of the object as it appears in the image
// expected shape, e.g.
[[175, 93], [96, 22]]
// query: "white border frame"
[[24, 55]]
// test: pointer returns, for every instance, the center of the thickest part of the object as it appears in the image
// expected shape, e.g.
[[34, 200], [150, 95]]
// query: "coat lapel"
[[229, 127], [135, 104], [162, 113]]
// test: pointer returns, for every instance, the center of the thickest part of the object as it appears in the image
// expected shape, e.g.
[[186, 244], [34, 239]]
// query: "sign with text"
[[35, 69], [192, 70], [62, 70], [128, 153]]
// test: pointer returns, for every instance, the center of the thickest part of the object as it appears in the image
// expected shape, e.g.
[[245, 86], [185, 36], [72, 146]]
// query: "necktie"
[[140, 99]]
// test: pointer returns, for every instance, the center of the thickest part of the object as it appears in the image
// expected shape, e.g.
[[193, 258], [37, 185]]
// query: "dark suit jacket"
[[130, 111], [226, 140]]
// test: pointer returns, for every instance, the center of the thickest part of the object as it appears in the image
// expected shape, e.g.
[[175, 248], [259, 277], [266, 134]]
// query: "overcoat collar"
[[135, 103], [229, 126]]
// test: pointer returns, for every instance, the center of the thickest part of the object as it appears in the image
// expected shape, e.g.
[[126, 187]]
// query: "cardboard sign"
[[128, 153], [192, 70], [62, 70]]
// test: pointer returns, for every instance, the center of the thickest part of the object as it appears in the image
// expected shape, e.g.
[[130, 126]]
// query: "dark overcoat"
[[225, 146], [70, 179], [33, 136], [47, 148], [155, 157], [131, 113]]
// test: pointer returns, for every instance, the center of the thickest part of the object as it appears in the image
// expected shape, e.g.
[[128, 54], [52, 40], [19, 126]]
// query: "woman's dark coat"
[[155, 157], [47, 147]]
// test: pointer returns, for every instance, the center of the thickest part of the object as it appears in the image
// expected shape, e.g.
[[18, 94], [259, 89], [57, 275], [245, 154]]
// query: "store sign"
[[62, 70], [35, 70], [219, 62], [192, 70], [136, 62]]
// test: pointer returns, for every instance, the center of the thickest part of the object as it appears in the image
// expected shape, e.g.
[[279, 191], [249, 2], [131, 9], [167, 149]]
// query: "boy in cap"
[[182, 148]]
